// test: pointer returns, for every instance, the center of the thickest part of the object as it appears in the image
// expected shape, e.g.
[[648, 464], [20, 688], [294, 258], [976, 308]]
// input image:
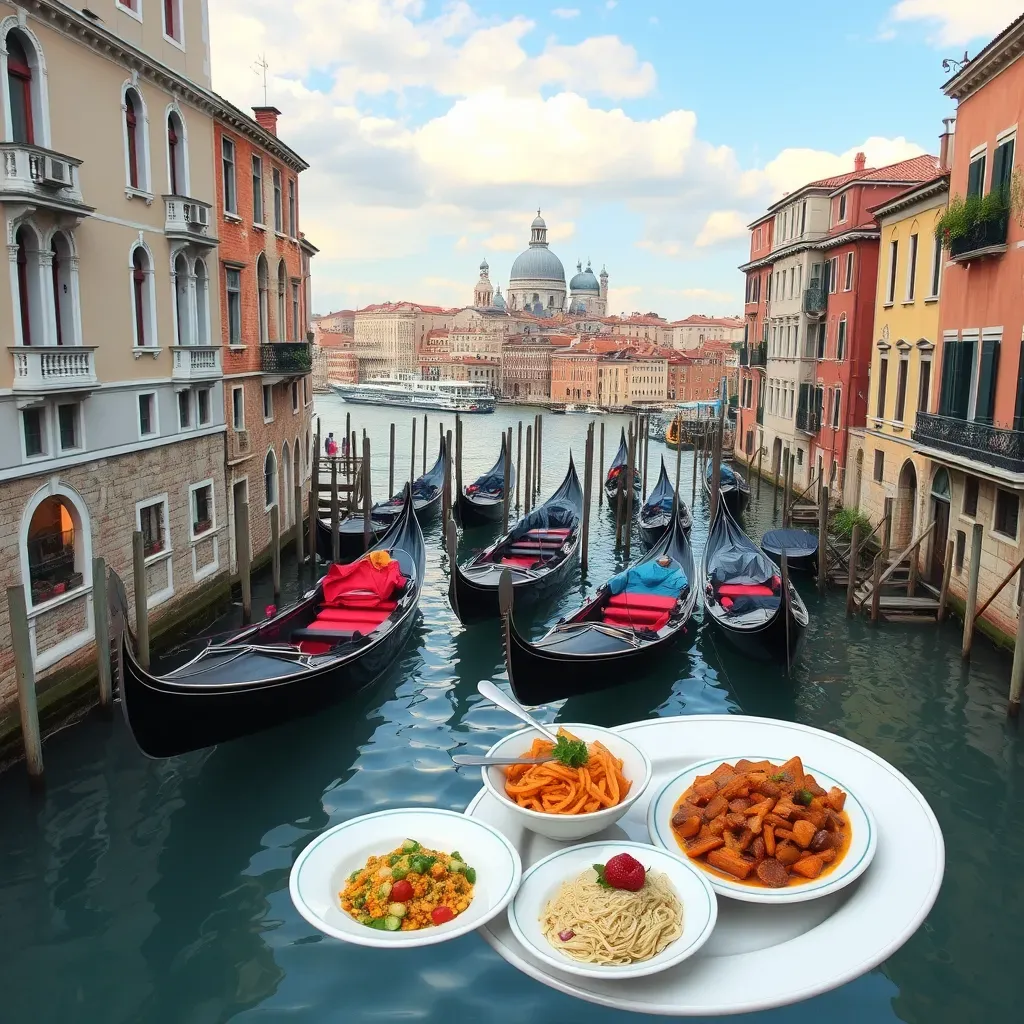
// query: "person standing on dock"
[[332, 446], [328, 441]]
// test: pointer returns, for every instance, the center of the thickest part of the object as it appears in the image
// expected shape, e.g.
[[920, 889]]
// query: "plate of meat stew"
[[765, 830]]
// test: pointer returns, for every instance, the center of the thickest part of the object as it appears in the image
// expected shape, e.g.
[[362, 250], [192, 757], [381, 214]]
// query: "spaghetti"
[[613, 927]]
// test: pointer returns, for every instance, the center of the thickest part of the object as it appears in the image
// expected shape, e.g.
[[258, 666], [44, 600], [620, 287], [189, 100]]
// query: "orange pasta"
[[554, 788]]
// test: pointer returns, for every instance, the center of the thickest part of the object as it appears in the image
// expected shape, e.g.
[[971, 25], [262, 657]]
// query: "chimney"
[[266, 118], [946, 144], [859, 162]]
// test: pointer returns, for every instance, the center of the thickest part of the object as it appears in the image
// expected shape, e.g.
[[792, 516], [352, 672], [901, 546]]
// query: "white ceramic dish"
[[541, 884], [322, 868], [863, 841], [834, 939], [636, 767]]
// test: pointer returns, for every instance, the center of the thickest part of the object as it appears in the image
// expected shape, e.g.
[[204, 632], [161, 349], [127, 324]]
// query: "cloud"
[[566, 12], [504, 243], [707, 295], [721, 226], [957, 22]]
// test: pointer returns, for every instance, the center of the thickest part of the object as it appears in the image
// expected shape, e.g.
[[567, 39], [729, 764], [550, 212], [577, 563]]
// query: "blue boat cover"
[[727, 477], [796, 543], [650, 578]]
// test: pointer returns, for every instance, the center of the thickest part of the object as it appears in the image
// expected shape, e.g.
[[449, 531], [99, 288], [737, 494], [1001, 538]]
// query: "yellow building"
[[884, 475]]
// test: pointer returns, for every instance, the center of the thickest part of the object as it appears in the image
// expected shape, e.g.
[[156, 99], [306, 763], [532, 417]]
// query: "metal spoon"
[[483, 761], [490, 692]]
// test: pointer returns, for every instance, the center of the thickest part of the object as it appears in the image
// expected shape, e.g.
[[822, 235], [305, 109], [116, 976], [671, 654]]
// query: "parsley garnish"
[[804, 796], [571, 753], [778, 777]]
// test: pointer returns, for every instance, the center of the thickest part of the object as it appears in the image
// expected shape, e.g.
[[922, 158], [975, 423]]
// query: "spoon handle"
[[482, 760], [490, 692]]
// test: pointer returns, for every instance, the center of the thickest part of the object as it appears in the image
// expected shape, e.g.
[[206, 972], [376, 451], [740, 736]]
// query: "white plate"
[[542, 882], [833, 939], [321, 870], [863, 842]]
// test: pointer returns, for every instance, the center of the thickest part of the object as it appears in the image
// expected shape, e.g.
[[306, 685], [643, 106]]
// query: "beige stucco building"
[[111, 395], [387, 336]]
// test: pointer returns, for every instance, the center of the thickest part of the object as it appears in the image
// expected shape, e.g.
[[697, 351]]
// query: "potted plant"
[[202, 526]]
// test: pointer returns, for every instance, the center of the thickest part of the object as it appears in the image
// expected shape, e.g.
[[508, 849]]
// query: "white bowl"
[[636, 767], [863, 842], [542, 881], [322, 869]]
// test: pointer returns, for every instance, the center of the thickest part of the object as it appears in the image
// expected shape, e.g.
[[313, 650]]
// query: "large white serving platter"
[[833, 939], [863, 838]]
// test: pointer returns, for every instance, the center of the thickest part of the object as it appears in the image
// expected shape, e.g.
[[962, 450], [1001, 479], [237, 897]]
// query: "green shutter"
[[962, 379], [1018, 411], [948, 373], [976, 177], [986, 405], [1002, 166]]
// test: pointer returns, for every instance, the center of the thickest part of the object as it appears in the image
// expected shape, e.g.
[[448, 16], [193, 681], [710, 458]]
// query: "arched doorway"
[[56, 548], [940, 496], [906, 504], [286, 498]]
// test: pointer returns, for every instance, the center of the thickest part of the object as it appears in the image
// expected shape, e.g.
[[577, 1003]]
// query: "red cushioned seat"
[[635, 615], [745, 590], [654, 623], [554, 533], [633, 600], [523, 561], [535, 545], [379, 613]]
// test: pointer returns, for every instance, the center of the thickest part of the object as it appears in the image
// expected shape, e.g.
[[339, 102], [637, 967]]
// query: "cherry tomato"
[[401, 892], [440, 915]]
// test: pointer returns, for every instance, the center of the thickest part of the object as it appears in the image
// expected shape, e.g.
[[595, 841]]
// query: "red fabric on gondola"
[[628, 599], [551, 533], [523, 561], [361, 576], [313, 647], [635, 620], [338, 614], [745, 590]]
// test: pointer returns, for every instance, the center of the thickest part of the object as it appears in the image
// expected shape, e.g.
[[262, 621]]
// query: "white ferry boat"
[[409, 391]]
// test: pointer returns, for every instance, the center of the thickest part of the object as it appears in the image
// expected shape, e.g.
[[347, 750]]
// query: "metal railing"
[[815, 299], [980, 442], [286, 357], [989, 233], [808, 421]]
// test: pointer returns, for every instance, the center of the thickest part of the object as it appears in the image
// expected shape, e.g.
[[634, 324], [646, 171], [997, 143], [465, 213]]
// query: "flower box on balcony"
[[975, 227]]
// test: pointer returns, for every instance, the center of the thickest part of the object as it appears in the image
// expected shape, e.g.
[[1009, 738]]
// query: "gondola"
[[801, 547], [733, 489], [610, 640], [673, 435], [611, 480], [539, 551], [656, 511], [482, 502], [426, 500], [743, 595], [336, 640]]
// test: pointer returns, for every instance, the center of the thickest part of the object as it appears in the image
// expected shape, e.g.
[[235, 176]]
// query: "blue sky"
[[649, 132]]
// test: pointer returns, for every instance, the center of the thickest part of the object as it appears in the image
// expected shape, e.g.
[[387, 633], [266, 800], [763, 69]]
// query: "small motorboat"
[[426, 500], [334, 642], [618, 466], [656, 512], [733, 489], [800, 547], [744, 595], [482, 502], [614, 636], [538, 551]]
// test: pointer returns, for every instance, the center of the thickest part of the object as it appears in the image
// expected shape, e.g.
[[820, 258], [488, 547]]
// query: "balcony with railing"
[[760, 414], [287, 358], [53, 369], [759, 354], [46, 178], [195, 362], [808, 421], [987, 237], [188, 220], [815, 300], [997, 447]]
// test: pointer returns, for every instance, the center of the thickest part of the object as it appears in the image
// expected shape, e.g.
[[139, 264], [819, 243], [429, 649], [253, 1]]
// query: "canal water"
[[145, 891]]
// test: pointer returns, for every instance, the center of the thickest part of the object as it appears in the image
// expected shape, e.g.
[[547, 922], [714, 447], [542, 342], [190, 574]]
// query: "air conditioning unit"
[[198, 215], [56, 172]]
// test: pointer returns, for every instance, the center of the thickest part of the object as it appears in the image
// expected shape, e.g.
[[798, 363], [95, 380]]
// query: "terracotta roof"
[[933, 186], [403, 306], [336, 340], [698, 320]]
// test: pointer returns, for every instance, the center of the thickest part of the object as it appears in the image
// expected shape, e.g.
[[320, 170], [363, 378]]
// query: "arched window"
[[56, 549], [263, 310], [63, 290], [177, 155], [182, 305], [19, 89], [27, 265], [270, 478], [300, 464], [135, 136], [282, 289], [286, 498], [202, 304], [142, 298]]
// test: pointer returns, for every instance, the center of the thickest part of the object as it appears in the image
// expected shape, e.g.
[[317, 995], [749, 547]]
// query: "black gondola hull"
[[473, 512], [473, 509], [767, 642], [653, 519]]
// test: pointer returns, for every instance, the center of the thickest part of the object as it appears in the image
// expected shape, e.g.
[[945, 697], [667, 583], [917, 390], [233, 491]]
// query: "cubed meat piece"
[[787, 853], [836, 798], [715, 806], [703, 789], [803, 833], [703, 844], [686, 828], [740, 804]]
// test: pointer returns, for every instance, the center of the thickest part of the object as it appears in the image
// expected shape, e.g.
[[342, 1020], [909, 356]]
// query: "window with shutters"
[[936, 269], [970, 496], [883, 373], [227, 166], [911, 268], [976, 175], [257, 190], [836, 407], [985, 400], [901, 389], [894, 252], [841, 339], [1002, 166], [848, 277], [1007, 511], [20, 88], [924, 386], [879, 467]]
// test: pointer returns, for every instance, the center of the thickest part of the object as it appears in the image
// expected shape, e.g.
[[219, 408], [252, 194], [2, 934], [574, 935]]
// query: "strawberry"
[[621, 872]]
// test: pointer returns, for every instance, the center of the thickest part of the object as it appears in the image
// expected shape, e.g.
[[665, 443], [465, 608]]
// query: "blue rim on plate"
[[641, 968], [403, 940], [848, 871]]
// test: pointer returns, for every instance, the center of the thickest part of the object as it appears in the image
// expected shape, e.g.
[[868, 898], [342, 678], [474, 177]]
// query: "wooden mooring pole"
[[977, 534], [775, 484], [447, 499], [508, 487], [1017, 671], [458, 460], [539, 441], [630, 490], [876, 587], [619, 512], [947, 573], [676, 499], [588, 480], [391, 463], [519, 464], [528, 482], [141, 599], [412, 461], [646, 443], [335, 515], [425, 443], [244, 550], [275, 550], [716, 473], [823, 541], [25, 674], [600, 470], [101, 621], [300, 553], [760, 453], [851, 579], [367, 500]]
